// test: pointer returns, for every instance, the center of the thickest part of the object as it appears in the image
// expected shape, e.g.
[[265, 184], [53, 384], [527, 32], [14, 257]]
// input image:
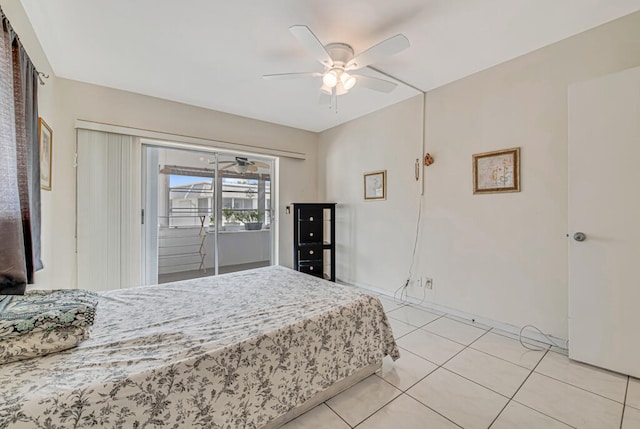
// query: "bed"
[[245, 350]]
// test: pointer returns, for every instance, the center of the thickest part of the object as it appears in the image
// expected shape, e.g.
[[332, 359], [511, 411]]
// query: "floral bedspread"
[[233, 351]]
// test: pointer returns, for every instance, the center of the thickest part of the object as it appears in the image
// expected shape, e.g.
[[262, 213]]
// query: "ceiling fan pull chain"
[[334, 99]]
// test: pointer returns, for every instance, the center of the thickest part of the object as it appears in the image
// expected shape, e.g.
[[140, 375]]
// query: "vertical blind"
[[109, 210], [19, 165]]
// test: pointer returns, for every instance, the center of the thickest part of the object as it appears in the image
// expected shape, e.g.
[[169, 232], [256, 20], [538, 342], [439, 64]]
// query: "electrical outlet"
[[428, 283], [417, 288]]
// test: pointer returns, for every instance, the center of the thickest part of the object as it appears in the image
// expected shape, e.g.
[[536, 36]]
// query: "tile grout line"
[[442, 336], [426, 406], [417, 355], [454, 341], [581, 388], [473, 381], [378, 409], [544, 414], [443, 363], [517, 390], [466, 346], [439, 316], [437, 368], [503, 359], [548, 349], [527, 340], [468, 322], [491, 329], [326, 403], [415, 328], [397, 397], [337, 414], [624, 404], [531, 371]]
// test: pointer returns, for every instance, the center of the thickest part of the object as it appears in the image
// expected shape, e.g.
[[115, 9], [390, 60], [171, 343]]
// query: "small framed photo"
[[375, 185], [497, 171], [46, 155]]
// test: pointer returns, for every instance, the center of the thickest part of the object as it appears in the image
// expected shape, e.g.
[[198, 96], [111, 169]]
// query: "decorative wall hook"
[[428, 160], [42, 75]]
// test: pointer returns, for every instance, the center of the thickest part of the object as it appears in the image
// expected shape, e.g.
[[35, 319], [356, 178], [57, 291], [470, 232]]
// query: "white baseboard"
[[471, 318]]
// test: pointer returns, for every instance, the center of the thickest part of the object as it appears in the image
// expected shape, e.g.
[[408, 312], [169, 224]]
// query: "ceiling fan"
[[242, 165], [339, 61]]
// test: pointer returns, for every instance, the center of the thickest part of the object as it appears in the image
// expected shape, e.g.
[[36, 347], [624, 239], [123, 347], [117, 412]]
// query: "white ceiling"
[[212, 53]]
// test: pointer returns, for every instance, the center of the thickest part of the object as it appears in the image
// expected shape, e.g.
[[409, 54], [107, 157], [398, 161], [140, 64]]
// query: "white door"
[[604, 205]]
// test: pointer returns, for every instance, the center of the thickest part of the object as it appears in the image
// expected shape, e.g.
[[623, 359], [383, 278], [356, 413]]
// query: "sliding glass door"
[[206, 213], [244, 220]]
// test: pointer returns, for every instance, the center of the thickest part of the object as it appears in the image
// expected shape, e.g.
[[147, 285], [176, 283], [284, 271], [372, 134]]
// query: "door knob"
[[579, 236]]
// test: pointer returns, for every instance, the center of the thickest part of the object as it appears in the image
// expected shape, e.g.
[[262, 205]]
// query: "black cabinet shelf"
[[324, 244], [314, 239]]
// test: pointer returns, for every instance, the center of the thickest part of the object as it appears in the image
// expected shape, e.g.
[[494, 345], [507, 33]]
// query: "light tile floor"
[[456, 374]]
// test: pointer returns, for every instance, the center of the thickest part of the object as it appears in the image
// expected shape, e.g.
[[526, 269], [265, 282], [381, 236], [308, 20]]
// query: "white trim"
[[203, 148], [472, 319], [190, 141]]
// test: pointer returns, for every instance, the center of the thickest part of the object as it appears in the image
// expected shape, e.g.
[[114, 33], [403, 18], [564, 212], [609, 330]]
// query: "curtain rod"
[[6, 21]]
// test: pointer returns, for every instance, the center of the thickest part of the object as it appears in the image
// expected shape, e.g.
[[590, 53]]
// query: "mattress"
[[233, 351]]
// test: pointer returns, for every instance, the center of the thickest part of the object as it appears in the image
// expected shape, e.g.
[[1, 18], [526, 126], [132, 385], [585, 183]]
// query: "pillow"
[[41, 310], [40, 343]]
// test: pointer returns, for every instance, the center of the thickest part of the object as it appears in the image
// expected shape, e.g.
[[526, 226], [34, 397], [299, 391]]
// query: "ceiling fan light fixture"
[[330, 78], [340, 89], [347, 80], [324, 88]]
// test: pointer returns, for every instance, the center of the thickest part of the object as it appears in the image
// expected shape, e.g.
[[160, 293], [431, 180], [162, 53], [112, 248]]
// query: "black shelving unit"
[[314, 237]]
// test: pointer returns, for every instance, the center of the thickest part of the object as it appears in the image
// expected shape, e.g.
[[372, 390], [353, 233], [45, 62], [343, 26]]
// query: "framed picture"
[[46, 146], [497, 171], [375, 185]]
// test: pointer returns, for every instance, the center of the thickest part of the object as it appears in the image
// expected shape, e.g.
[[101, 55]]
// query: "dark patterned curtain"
[[19, 165]]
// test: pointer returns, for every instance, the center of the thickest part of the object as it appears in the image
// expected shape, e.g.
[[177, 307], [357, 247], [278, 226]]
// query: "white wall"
[[499, 256], [75, 100], [62, 101], [374, 239]]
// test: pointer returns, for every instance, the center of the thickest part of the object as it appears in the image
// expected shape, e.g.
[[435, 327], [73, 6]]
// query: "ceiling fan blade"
[[252, 168], [290, 75], [260, 164], [311, 42], [374, 83], [378, 52], [228, 166]]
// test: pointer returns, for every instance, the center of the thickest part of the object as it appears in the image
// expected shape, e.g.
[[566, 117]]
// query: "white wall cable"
[[537, 349]]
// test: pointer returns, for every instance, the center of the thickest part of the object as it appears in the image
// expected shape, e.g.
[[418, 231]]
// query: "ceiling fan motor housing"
[[340, 53]]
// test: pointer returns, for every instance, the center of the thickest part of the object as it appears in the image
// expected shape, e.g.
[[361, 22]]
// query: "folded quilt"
[[41, 343], [43, 322], [45, 311]]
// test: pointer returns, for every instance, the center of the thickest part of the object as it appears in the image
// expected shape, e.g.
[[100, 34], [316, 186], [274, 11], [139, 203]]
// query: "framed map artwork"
[[497, 171], [375, 185]]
